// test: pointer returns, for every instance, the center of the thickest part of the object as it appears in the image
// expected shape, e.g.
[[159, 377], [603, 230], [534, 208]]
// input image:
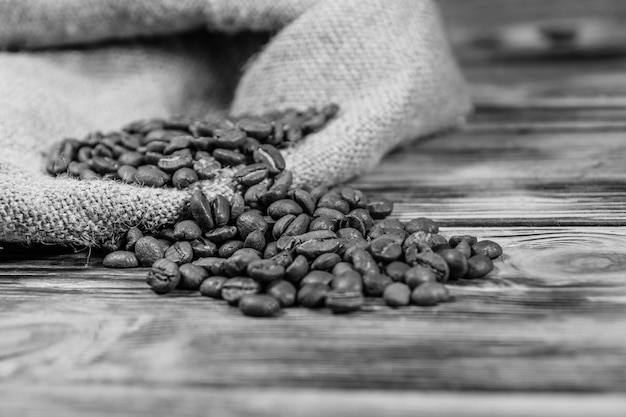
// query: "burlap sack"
[[386, 63]]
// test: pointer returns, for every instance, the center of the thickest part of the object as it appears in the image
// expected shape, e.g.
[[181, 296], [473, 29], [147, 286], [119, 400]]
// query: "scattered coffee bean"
[[120, 259], [430, 294], [163, 276], [259, 305], [397, 295], [488, 248], [478, 266], [344, 301], [191, 276]]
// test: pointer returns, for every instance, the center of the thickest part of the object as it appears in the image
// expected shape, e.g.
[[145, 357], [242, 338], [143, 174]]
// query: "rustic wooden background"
[[540, 168]]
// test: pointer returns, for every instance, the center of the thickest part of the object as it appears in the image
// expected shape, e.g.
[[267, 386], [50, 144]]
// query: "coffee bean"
[[177, 143], [334, 201], [127, 174], [228, 157], [180, 253], [203, 248], [326, 261], [351, 246], [464, 247], [184, 177], [333, 214], [132, 236], [283, 259], [191, 276], [298, 226], [255, 128], [213, 265], [343, 301], [235, 288], [348, 281], [148, 250], [488, 248], [313, 248], [164, 276], [312, 295], [349, 233], [457, 262], [206, 168], [237, 206], [283, 207], [322, 223], [230, 139], [265, 270], [380, 209], [221, 234], [342, 267], [478, 266], [297, 269], [120, 259], [250, 221], [172, 163], [304, 199], [76, 168], [279, 188], [454, 240], [187, 230], [283, 291], [317, 277], [397, 295], [418, 275], [422, 224], [385, 249], [436, 263], [255, 240], [220, 208], [229, 247], [396, 270], [375, 284], [281, 225], [318, 192], [251, 174], [212, 286], [151, 176], [271, 157], [364, 262], [103, 164], [259, 305], [430, 294]]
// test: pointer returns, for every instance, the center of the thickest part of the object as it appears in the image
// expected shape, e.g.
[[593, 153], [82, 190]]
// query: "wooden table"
[[540, 169]]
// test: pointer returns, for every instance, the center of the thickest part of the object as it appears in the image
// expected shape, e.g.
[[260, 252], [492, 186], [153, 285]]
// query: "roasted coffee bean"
[[255, 240], [454, 240], [212, 286], [342, 267], [255, 195], [318, 192], [151, 176], [385, 227], [177, 143], [317, 277], [353, 222], [298, 226], [488, 248], [281, 225], [206, 169], [380, 209], [325, 261], [258, 129], [397, 295], [457, 262], [238, 262], [237, 206], [385, 249], [297, 269], [103, 164], [436, 263], [271, 157], [101, 151], [88, 175], [335, 215], [416, 239], [127, 174], [344, 301], [349, 233], [283, 259], [152, 158], [374, 284], [250, 221], [364, 262], [464, 247], [229, 247], [213, 265], [156, 146], [191, 276], [437, 240], [230, 139], [148, 250], [441, 247], [187, 230], [120, 259], [334, 201], [184, 177], [396, 270], [430, 294], [259, 305], [347, 281], [314, 248], [237, 287], [265, 270], [478, 266], [304, 199], [180, 253], [283, 291], [283, 207], [349, 247], [279, 188], [251, 174], [410, 255], [422, 224], [270, 250], [221, 234], [322, 223], [172, 163], [132, 236], [164, 276], [220, 208], [228, 157], [418, 275], [167, 233], [203, 248], [75, 168], [312, 295], [83, 155], [363, 215]]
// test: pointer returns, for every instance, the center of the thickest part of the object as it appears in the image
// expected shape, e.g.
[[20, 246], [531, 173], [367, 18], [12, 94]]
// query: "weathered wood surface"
[[540, 168]]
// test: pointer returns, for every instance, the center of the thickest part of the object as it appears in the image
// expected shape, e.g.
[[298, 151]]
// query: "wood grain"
[[539, 168]]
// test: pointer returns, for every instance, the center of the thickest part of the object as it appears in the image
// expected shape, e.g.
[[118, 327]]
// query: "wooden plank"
[[106, 400]]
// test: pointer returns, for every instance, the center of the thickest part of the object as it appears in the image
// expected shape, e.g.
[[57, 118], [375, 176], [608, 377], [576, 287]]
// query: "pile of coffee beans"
[[178, 152], [271, 245]]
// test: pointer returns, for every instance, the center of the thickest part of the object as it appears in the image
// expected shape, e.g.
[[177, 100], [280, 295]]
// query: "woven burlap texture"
[[387, 64]]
